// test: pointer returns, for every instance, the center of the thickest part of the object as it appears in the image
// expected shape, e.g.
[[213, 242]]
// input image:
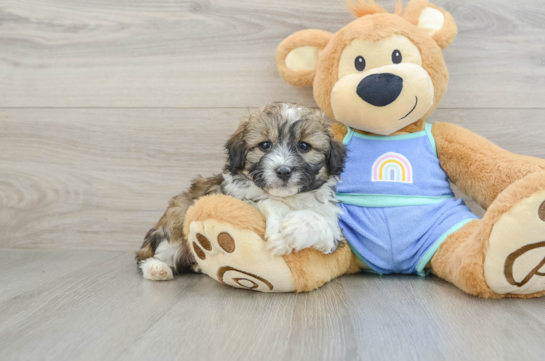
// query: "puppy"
[[282, 159]]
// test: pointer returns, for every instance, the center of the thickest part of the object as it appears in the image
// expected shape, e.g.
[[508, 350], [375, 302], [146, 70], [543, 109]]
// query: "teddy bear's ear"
[[297, 56], [435, 21]]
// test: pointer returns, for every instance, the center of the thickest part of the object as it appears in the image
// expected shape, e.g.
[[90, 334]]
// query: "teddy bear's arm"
[[478, 167]]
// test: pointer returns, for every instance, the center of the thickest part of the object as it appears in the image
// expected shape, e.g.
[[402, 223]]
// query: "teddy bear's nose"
[[380, 89]]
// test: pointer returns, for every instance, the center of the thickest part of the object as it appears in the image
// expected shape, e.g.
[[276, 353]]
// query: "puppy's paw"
[[273, 228], [278, 245], [305, 229], [156, 270], [270, 208]]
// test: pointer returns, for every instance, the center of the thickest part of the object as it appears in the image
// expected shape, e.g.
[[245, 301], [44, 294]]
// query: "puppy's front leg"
[[305, 228], [156, 270], [274, 212]]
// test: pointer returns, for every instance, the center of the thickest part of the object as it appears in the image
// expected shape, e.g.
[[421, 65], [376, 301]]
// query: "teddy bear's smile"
[[415, 104]]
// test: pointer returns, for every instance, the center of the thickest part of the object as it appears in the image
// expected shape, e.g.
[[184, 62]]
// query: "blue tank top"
[[392, 171]]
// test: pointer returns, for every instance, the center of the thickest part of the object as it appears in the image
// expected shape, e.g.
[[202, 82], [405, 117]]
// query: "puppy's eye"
[[304, 147], [396, 57], [265, 146], [359, 63]]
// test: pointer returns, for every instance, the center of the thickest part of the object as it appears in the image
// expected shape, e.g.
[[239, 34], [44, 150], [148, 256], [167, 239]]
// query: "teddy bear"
[[379, 78]]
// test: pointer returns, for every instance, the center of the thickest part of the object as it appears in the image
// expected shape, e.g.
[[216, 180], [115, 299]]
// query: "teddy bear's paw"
[[156, 270], [238, 257], [515, 259]]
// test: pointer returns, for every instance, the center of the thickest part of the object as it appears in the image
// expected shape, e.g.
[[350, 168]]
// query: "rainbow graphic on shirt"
[[392, 167]]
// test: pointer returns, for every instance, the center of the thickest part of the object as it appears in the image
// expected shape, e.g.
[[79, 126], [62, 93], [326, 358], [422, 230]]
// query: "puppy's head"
[[285, 149]]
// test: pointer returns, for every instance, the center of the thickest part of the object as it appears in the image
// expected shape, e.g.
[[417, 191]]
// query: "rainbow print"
[[392, 167]]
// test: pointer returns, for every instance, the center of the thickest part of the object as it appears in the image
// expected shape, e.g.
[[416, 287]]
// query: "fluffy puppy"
[[282, 159]]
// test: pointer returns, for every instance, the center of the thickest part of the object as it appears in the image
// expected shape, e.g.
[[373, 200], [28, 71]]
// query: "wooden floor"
[[82, 305], [109, 108]]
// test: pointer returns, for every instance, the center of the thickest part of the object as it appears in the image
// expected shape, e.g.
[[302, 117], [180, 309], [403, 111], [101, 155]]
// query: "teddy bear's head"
[[380, 73]]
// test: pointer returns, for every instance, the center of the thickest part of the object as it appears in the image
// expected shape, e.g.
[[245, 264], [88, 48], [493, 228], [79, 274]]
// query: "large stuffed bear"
[[380, 77]]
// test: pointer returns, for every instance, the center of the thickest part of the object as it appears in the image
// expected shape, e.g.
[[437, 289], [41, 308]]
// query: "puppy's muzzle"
[[380, 89], [283, 173]]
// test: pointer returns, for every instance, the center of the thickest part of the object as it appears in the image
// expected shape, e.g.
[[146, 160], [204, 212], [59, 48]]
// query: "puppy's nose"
[[380, 89], [283, 172]]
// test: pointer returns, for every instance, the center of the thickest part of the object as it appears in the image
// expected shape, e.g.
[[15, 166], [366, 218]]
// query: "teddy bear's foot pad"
[[515, 259], [238, 257]]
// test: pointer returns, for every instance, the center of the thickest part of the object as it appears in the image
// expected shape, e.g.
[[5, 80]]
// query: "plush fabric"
[[375, 27], [311, 268], [304, 38], [460, 259], [226, 209], [477, 166], [401, 246], [446, 34], [500, 256], [246, 263], [303, 59]]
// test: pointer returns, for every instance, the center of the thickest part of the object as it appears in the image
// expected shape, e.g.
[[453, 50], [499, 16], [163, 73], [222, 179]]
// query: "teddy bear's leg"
[[226, 236], [502, 255], [311, 268]]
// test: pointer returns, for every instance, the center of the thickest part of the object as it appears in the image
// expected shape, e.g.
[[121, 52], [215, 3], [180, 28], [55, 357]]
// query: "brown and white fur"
[[284, 160]]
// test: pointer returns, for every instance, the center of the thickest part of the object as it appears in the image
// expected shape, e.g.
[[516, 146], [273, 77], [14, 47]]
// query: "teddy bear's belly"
[[401, 239]]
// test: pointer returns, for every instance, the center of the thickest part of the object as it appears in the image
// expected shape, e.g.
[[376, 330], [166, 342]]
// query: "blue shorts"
[[401, 239]]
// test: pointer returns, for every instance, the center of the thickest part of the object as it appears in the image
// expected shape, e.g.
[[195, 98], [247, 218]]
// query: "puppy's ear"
[[297, 56], [236, 150], [336, 157]]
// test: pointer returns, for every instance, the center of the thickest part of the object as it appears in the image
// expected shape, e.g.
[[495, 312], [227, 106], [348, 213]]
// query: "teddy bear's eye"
[[359, 63], [396, 57]]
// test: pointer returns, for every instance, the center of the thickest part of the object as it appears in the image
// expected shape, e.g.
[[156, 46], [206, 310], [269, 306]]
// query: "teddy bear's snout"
[[380, 89]]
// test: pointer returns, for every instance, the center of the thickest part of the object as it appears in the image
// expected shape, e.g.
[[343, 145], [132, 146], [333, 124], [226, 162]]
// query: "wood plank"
[[84, 314], [104, 310], [410, 318], [220, 323], [100, 178], [81, 305], [220, 53], [23, 271], [100, 307]]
